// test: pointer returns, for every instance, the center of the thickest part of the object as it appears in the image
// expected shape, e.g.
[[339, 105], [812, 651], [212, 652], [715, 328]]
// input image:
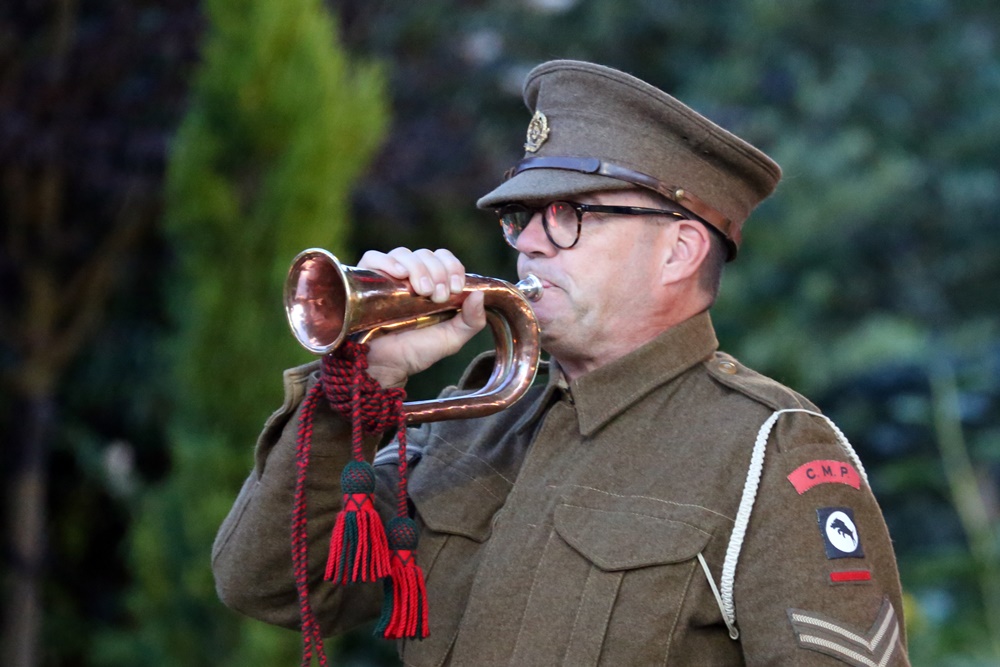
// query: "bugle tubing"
[[326, 302]]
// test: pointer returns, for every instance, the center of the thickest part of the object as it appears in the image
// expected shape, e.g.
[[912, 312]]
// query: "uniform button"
[[727, 367]]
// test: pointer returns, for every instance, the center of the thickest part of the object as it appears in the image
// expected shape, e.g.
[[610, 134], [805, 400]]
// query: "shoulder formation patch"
[[840, 534], [862, 648]]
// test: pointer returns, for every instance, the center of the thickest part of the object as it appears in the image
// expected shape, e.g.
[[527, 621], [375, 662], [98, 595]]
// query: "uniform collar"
[[606, 392]]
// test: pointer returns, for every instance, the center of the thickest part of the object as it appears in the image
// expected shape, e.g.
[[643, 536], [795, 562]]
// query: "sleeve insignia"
[[840, 534], [850, 576], [811, 474], [872, 648]]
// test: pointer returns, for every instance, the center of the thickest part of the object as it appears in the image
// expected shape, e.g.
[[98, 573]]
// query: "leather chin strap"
[[680, 196]]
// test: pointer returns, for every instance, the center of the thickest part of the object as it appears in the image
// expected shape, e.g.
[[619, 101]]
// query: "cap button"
[[727, 367]]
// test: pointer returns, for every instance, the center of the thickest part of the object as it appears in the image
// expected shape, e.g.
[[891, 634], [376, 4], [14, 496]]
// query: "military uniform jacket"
[[589, 524]]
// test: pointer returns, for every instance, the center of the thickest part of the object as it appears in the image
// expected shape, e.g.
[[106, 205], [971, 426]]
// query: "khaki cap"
[[595, 127]]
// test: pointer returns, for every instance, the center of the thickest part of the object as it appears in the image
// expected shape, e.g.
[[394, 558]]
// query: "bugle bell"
[[327, 302]]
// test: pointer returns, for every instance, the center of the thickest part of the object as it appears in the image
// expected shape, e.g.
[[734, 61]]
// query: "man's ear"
[[692, 244]]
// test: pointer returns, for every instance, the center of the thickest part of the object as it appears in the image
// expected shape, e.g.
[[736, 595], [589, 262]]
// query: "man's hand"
[[435, 274]]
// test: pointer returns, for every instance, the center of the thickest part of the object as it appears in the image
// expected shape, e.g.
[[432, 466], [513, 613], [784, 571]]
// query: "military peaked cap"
[[595, 128]]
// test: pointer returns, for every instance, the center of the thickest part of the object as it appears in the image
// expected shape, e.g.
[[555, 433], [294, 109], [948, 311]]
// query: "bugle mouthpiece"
[[530, 287]]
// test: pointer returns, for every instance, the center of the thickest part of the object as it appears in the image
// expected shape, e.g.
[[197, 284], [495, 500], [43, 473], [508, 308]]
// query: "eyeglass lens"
[[561, 222]]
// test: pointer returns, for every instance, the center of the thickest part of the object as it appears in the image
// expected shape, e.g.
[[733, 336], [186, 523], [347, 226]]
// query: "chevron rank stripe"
[[823, 634]]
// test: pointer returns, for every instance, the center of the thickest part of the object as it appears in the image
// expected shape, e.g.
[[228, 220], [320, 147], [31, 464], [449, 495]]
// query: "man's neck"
[[576, 366]]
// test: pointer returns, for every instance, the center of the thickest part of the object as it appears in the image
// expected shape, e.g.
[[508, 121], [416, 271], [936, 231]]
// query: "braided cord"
[[370, 408], [355, 395], [750, 488], [312, 638], [357, 379], [401, 503]]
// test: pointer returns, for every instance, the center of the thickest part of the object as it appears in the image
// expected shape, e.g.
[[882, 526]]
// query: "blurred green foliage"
[[281, 124], [865, 282]]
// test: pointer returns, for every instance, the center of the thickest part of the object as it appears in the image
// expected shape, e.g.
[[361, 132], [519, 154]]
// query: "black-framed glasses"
[[562, 220]]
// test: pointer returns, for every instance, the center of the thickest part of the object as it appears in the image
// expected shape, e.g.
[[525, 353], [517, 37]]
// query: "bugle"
[[326, 302]]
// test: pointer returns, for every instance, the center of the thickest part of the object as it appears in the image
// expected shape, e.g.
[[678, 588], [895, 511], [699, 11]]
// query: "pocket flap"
[[457, 494], [619, 537]]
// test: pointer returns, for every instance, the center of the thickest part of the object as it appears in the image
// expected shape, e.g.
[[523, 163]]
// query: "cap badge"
[[538, 132]]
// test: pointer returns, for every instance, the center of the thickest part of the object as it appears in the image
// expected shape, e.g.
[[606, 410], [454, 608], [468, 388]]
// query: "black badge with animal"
[[840, 534]]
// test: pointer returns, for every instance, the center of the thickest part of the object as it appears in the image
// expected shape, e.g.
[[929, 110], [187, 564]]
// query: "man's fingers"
[[473, 314], [437, 274], [434, 274], [383, 263], [396, 356], [454, 268]]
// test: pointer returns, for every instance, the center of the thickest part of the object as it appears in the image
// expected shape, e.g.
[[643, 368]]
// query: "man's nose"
[[532, 240]]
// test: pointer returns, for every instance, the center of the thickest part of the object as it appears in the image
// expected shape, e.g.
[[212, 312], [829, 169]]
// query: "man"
[[654, 502]]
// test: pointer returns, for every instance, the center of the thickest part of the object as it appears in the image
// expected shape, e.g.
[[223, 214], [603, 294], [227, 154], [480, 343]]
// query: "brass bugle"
[[326, 302]]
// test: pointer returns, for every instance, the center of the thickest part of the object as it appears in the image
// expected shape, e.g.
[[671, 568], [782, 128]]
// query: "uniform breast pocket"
[[614, 578]]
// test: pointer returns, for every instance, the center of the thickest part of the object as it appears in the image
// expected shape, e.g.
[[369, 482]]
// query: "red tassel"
[[404, 612], [358, 547], [408, 616]]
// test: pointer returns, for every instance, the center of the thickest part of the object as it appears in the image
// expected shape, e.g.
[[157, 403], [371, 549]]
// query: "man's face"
[[597, 292]]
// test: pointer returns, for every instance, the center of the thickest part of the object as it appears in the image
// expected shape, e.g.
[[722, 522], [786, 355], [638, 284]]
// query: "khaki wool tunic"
[[570, 529]]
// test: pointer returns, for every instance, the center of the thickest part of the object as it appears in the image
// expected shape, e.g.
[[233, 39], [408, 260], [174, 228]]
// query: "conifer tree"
[[281, 123]]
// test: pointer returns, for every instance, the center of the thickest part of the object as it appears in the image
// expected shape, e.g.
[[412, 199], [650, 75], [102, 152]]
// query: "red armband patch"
[[850, 576], [808, 475]]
